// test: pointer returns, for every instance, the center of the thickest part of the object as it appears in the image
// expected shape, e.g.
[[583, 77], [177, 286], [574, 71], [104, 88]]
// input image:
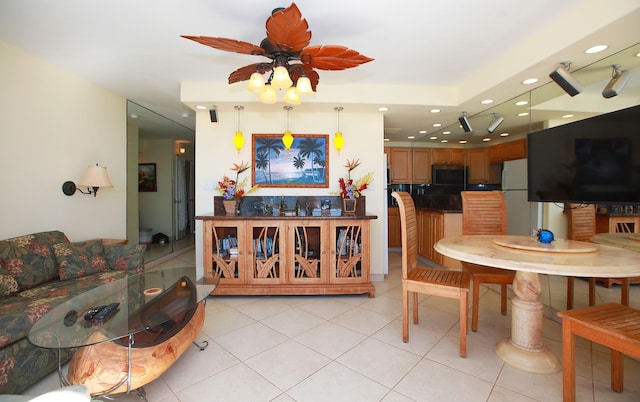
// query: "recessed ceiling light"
[[185, 114], [486, 101], [435, 110], [411, 137], [433, 138], [638, 54], [523, 114], [383, 109], [486, 139], [521, 103], [386, 139], [530, 81], [446, 132], [200, 107], [437, 125], [566, 116], [134, 116], [596, 49], [462, 141], [444, 141], [504, 135], [422, 132]]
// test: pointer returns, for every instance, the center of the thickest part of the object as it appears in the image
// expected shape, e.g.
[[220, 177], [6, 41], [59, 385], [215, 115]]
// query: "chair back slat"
[[483, 213], [582, 221], [409, 231]]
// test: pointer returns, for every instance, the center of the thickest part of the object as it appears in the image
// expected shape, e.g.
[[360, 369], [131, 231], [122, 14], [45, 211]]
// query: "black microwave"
[[449, 174]]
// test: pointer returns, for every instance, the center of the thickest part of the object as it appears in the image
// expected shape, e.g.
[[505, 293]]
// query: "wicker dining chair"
[[432, 281], [484, 213]]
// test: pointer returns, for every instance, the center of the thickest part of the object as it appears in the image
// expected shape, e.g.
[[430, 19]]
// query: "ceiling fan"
[[286, 44]]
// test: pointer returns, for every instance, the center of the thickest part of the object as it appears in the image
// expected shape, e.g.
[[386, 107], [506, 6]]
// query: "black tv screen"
[[592, 161]]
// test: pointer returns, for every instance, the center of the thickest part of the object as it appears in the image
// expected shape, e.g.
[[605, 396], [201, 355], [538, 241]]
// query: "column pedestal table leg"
[[524, 349]]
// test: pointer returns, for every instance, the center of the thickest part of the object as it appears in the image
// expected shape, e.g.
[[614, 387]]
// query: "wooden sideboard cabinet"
[[288, 255], [606, 223]]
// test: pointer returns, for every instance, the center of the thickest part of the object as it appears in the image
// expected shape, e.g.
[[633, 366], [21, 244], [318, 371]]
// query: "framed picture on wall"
[[147, 180], [305, 164]]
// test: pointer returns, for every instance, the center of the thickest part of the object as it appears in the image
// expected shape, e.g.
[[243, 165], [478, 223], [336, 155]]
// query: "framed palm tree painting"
[[305, 164]]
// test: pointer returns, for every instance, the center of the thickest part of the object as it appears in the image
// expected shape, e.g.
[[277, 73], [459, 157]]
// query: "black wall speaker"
[[562, 77], [213, 114], [464, 122]]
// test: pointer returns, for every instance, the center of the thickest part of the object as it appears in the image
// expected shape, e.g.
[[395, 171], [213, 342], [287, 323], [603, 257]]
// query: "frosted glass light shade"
[[256, 83], [281, 78], [338, 140], [303, 86], [287, 139], [291, 96], [238, 140], [268, 96]]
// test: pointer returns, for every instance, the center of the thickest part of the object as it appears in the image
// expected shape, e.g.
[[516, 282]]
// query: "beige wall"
[[53, 124], [363, 133]]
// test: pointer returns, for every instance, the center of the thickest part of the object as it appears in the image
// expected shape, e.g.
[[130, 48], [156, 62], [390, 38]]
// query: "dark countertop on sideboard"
[[211, 216]]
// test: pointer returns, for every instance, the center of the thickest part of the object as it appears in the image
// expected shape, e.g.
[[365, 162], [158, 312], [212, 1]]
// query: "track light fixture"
[[618, 81], [495, 122], [464, 122], [566, 81]]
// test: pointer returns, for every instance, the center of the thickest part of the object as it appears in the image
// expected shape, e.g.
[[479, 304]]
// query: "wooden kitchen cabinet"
[[496, 153], [435, 225], [478, 162], [421, 165], [617, 223], [400, 165], [447, 156], [277, 255], [394, 235], [515, 150]]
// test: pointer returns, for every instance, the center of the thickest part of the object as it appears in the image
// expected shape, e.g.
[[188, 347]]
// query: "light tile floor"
[[349, 348]]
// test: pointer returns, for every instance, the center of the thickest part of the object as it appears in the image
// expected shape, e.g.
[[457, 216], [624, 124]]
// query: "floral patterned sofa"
[[38, 272]]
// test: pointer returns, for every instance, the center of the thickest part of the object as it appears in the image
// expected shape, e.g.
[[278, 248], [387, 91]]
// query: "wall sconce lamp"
[[94, 178], [618, 81], [495, 122], [238, 141], [338, 141], [287, 138], [566, 81]]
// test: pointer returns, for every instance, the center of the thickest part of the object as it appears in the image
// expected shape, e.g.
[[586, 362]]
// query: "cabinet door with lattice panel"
[[223, 251], [268, 252], [308, 260], [350, 252]]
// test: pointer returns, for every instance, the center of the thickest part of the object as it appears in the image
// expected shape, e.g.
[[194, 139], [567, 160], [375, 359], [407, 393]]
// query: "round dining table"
[[529, 258]]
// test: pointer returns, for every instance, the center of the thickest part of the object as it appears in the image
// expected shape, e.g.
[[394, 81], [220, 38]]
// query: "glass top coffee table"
[[148, 308]]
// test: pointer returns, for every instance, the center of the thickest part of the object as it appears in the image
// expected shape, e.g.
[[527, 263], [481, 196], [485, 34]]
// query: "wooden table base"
[[103, 366], [525, 350]]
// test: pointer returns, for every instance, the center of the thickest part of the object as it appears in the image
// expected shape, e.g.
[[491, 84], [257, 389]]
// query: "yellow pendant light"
[[287, 138], [238, 141], [338, 140]]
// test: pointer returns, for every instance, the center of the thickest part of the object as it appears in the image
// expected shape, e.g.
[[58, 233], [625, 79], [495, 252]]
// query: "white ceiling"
[[447, 55]]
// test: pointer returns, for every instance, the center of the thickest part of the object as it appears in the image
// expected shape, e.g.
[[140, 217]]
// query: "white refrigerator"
[[523, 217]]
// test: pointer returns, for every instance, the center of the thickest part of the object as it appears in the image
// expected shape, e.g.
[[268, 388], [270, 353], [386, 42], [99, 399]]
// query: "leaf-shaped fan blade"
[[332, 57], [244, 73], [296, 73], [288, 30], [229, 45]]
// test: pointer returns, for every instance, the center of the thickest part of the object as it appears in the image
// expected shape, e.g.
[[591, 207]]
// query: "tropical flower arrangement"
[[234, 189], [351, 188]]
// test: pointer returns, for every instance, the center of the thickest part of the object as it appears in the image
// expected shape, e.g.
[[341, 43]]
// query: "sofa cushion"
[[29, 259], [8, 284], [80, 259], [129, 257]]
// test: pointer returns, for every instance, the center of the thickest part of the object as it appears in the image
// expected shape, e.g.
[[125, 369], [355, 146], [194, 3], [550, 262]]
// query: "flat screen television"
[[591, 161]]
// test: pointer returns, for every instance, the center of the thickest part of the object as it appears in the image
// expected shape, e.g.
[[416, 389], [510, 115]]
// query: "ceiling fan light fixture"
[[268, 96], [303, 86], [256, 83], [281, 79], [291, 96]]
